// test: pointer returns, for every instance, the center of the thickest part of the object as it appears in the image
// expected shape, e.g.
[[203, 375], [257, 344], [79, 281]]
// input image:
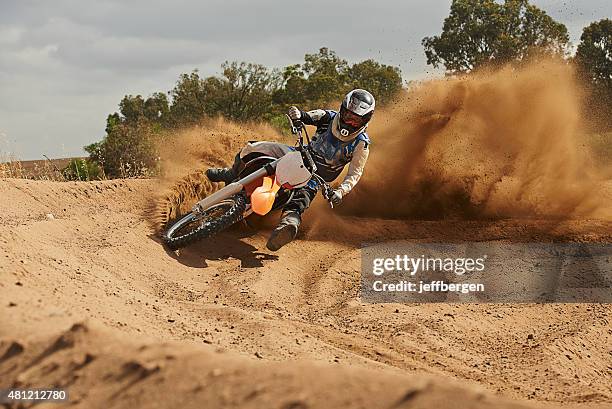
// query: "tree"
[[594, 54], [383, 81], [479, 32], [189, 99], [245, 91], [320, 80], [325, 78], [131, 108], [156, 107], [136, 108], [126, 151], [594, 61], [293, 90]]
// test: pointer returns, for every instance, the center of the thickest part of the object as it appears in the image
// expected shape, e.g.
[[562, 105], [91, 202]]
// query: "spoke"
[[196, 221]]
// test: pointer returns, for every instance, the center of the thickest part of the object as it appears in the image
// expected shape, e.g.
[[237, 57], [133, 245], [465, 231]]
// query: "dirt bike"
[[264, 184]]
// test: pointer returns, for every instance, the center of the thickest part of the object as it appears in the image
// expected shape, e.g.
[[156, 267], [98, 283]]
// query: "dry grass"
[[11, 169], [47, 169]]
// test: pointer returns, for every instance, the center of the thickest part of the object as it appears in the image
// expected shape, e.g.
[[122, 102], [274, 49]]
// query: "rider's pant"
[[255, 149], [302, 197]]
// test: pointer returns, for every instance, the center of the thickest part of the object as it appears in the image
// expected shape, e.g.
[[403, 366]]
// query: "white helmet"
[[355, 113]]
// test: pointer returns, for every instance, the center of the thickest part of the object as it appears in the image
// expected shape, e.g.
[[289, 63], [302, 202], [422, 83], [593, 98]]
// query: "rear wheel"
[[197, 226]]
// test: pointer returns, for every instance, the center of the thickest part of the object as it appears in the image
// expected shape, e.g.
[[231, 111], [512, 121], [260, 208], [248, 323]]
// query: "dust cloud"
[[504, 143], [186, 154]]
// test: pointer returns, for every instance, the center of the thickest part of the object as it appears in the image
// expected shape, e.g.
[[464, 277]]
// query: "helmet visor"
[[352, 119]]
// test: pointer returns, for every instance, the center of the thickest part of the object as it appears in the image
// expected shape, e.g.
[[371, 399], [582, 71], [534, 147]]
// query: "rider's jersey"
[[331, 154]]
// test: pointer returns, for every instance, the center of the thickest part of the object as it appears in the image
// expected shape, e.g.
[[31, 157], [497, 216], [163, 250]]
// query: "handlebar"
[[296, 128]]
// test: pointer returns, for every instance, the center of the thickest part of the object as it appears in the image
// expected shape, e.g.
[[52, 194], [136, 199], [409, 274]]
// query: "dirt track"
[[230, 308]]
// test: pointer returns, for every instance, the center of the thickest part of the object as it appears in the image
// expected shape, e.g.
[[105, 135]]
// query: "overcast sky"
[[66, 64]]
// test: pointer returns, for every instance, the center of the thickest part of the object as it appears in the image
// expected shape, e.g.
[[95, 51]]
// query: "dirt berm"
[[91, 301]]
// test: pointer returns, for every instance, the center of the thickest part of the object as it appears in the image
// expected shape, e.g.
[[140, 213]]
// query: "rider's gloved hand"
[[336, 197], [294, 113]]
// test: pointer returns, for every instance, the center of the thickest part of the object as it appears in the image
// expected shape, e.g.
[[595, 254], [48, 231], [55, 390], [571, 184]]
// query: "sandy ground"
[[91, 301]]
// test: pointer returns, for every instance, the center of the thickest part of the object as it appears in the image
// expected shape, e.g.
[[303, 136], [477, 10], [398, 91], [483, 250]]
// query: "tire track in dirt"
[[99, 260]]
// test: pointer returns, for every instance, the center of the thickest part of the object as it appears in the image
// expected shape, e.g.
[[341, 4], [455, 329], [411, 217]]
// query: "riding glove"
[[294, 113], [336, 197]]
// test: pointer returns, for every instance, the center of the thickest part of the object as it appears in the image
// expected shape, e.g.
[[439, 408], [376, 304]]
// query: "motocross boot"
[[226, 175], [285, 231]]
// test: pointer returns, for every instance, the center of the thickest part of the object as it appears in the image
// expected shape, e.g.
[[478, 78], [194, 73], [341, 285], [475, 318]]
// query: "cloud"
[[65, 64]]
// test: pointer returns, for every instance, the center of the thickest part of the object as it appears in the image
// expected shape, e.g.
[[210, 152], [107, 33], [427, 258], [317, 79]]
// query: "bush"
[[82, 169], [127, 151]]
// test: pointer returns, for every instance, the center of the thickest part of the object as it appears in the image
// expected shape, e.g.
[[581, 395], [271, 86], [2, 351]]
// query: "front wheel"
[[197, 226]]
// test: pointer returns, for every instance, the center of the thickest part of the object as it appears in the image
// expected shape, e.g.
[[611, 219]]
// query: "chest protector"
[[330, 153]]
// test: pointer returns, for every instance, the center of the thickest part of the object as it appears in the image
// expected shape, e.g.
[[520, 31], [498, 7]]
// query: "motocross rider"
[[340, 139]]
